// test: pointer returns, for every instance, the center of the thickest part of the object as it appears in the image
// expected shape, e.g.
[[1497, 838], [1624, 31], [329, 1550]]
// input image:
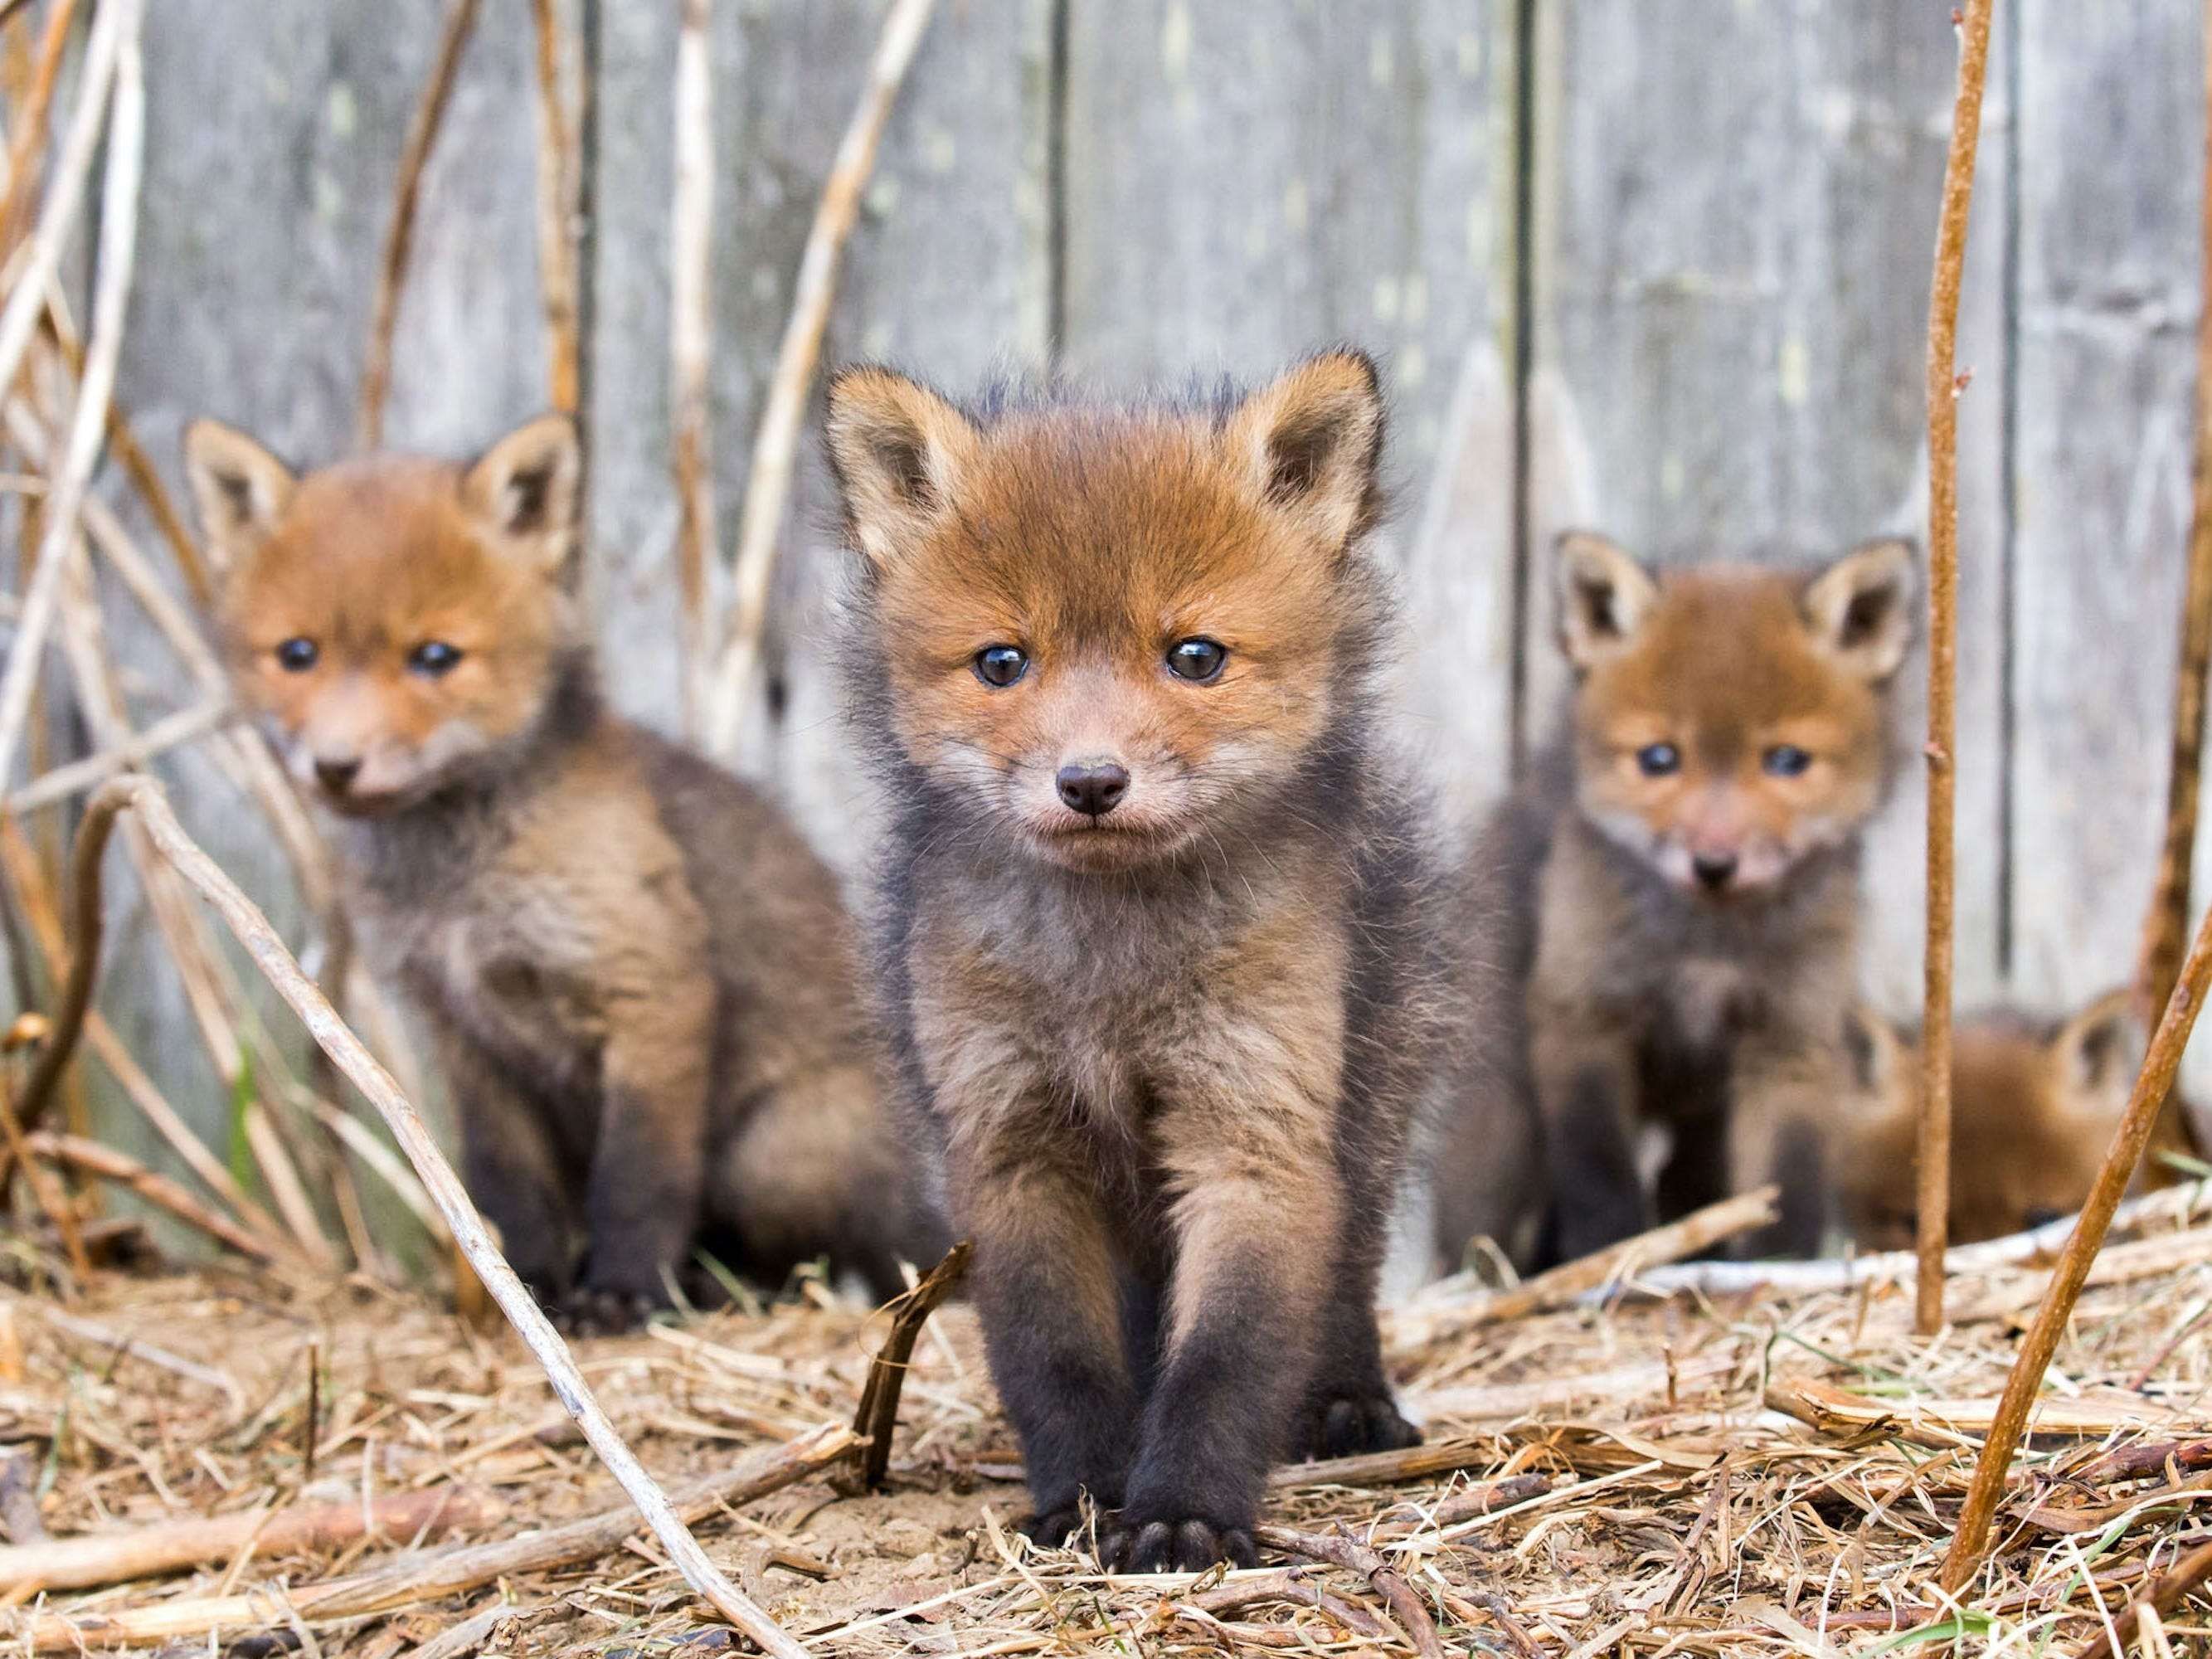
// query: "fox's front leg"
[[1256, 1226], [511, 1169], [642, 1202], [1349, 1405], [1585, 1072], [1045, 1288]]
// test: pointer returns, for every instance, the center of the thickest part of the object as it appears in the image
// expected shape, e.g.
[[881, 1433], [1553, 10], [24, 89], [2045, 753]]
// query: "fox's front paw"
[[1343, 1424], [1135, 1543], [597, 1310]]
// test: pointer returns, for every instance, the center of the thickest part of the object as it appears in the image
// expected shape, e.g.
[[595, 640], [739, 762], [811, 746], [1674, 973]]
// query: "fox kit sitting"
[[641, 983], [1157, 936], [1692, 882], [2034, 1106]]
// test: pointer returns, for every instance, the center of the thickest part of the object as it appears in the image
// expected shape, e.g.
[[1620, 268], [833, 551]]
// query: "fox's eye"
[[1001, 665], [434, 658], [1786, 760], [1197, 660], [297, 655], [1659, 760]]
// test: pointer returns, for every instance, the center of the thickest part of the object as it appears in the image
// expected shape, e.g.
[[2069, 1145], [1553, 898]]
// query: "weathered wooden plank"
[[947, 274], [2111, 132], [1246, 184], [1731, 279]]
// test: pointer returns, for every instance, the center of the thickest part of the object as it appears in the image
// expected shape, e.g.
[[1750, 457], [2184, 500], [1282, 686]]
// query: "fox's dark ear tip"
[[1358, 359]]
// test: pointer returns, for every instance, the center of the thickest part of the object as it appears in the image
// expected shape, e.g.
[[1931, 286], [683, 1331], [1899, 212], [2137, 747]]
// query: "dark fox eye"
[[1001, 665], [434, 658], [1786, 760], [297, 655], [1196, 659], [1659, 760]]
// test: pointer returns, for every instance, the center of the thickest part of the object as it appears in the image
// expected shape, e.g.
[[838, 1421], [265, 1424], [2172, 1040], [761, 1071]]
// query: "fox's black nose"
[[1714, 869], [1094, 789], [337, 775]]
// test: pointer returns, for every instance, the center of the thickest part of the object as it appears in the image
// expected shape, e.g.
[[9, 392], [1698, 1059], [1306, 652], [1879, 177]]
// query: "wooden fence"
[[1660, 268]]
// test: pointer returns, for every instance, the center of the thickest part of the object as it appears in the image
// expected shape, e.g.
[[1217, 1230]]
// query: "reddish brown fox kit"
[[2034, 1108], [1157, 939], [641, 983], [1688, 858]]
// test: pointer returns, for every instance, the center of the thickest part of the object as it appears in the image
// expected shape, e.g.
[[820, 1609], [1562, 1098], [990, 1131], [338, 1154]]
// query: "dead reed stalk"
[[775, 445], [559, 172], [247, 923], [114, 25], [691, 341], [399, 241], [95, 1157], [31, 126], [1970, 1543], [877, 1416], [1944, 388]]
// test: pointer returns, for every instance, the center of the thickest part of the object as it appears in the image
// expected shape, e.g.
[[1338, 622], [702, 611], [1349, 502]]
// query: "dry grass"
[[1752, 1473]]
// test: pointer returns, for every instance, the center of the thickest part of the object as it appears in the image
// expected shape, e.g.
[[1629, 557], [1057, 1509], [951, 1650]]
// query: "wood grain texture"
[[1245, 185], [947, 274], [2111, 129], [1737, 340]]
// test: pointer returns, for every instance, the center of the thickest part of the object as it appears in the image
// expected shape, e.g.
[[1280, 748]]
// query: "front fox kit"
[[1152, 936]]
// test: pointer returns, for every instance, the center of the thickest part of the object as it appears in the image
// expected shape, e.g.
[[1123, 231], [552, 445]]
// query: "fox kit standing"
[[1154, 933], [1693, 845], [640, 981], [2034, 1105]]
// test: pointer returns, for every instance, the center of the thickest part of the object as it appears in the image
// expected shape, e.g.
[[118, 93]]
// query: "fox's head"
[[2032, 1110], [1729, 721], [1114, 634], [397, 621]]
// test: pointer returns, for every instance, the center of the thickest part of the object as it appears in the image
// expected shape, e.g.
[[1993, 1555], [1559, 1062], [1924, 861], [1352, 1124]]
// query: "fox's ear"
[[1311, 444], [524, 490], [899, 450], [1604, 597], [2097, 1054], [239, 488], [1860, 608]]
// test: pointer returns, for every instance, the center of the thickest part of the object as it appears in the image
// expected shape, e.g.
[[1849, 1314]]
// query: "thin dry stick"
[[252, 929], [114, 29], [1943, 390], [391, 275], [200, 1540], [95, 1158], [1340, 1551], [1419, 1327], [691, 340], [172, 731], [877, 1416], [776, 447], [450, 1572], [2192, 1570], [557, 173], [1969, 1544], [31, 130]]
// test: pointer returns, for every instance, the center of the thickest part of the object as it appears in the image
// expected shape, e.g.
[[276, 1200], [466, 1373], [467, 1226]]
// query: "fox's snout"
[[337, 775]]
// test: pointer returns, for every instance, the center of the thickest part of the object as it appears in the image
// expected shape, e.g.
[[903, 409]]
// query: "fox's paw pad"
[[1053, 1529], [1345, 1425], [1185, 1546], [586, 1311]]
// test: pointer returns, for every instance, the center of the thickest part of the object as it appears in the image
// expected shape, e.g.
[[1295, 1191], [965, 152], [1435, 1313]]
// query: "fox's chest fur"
[[1091, 1010]]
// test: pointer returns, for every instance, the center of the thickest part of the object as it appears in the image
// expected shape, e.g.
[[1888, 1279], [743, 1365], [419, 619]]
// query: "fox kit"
[[2034, 1107], [1154, 940], [641, 983], [1688, 883]]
